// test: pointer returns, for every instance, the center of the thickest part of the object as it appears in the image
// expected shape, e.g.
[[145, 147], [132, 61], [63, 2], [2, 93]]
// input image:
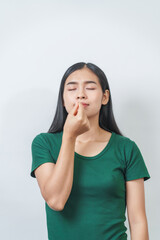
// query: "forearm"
[[59, 184], [139, 230]]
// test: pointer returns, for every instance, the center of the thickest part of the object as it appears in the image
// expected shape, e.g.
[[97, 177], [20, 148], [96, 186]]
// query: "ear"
[[105, 97]]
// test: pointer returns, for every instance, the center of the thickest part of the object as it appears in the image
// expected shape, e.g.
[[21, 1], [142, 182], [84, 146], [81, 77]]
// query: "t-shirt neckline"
[[99, 154]]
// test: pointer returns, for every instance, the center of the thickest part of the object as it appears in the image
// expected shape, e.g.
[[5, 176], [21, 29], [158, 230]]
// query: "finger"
[[75, 109], [80, 109]]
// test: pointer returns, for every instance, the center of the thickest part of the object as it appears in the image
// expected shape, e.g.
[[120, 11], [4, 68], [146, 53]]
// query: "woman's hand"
[[76, 122]]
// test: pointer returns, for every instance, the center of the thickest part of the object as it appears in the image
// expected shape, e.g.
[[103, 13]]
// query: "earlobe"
[[105, 97]]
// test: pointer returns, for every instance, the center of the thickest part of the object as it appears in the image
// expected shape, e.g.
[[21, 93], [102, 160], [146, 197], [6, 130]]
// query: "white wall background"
[[39, 40]]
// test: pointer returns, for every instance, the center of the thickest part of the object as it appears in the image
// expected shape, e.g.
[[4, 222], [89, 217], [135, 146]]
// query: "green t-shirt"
[[95, 209]]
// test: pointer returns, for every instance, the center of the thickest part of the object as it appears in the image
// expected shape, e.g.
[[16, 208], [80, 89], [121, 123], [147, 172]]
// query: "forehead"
[[82, 76]]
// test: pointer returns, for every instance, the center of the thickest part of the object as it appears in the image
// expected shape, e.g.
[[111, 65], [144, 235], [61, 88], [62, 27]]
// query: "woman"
[[87, 171]]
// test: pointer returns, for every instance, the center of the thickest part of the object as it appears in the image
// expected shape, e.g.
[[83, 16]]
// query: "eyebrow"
[[77, 82]]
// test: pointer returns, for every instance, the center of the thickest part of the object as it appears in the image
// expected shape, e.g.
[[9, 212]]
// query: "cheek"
[[68, 98], [96, 97], [68, 102]]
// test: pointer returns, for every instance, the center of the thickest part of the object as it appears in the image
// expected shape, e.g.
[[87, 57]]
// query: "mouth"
[[85, 105]]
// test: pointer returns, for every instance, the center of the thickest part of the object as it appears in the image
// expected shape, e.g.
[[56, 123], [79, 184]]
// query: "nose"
[[81, 94]]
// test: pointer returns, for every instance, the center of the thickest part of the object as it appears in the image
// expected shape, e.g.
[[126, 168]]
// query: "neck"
[[92, 134]]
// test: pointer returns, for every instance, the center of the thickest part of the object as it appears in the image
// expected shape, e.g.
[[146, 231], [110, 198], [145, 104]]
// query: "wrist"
[[68, 137]]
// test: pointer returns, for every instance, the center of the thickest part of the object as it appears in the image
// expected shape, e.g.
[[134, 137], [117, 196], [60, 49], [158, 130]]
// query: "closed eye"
[[87, 88]]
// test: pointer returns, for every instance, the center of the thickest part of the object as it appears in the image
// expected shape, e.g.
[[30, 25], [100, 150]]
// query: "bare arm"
[[140, 230], [56, 180], [58, 186], [136, 209]]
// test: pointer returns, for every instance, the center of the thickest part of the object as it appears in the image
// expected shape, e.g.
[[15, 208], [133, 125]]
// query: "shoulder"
[[46, 138], [123, 141], [126, 146]]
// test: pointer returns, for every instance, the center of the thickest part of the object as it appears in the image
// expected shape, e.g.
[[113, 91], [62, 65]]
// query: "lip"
[[85, 104]]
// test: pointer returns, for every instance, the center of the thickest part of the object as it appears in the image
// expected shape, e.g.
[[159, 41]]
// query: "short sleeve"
[[40, 153], [135, 165]]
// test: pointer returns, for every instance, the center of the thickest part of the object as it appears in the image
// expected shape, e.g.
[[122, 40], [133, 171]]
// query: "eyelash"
[[87, 88]]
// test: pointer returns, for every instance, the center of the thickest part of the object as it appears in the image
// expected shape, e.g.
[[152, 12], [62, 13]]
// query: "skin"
[[135, 194], [90, 93]]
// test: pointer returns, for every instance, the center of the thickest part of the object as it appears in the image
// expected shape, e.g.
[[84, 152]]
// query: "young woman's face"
[[83, 86]]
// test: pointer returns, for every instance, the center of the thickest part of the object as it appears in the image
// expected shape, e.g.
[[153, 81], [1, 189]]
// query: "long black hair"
[[106, 117]]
